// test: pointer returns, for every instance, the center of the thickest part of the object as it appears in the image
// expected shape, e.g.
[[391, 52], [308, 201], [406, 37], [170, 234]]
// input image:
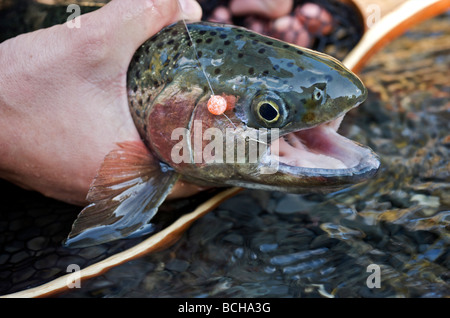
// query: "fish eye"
[[268, 111], [317, 94]]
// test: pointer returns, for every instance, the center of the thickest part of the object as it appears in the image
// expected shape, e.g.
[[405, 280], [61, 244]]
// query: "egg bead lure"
[[217, 105]]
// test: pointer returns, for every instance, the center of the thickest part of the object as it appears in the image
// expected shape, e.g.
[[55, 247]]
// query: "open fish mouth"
[[322, 153]]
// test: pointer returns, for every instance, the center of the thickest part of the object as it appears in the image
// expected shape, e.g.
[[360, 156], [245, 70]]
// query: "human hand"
[[63, 99]]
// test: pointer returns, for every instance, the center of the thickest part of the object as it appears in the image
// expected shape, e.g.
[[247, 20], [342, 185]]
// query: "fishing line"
[[193, 46], [206, 76]]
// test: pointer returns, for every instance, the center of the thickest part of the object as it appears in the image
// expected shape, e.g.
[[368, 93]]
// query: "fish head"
[[304, 90], [302, 103]]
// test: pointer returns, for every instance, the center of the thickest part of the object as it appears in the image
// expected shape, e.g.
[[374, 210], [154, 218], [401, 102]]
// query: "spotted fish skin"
[[239, 62], [167, 89]]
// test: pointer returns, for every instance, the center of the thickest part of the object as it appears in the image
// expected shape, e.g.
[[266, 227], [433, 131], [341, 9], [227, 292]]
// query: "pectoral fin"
[[125, 195]]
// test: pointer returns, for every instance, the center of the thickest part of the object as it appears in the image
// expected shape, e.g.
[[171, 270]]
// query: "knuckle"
[[91, 43]]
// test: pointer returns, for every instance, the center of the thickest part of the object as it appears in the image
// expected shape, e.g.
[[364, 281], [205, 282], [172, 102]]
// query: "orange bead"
[[217, 105]]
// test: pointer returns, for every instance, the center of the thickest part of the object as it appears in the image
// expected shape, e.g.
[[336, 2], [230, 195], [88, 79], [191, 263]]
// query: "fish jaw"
[[310, 160], [316, 159], [310, 155]]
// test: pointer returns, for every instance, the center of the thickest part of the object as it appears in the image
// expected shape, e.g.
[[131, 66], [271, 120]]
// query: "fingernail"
[[190, 9]]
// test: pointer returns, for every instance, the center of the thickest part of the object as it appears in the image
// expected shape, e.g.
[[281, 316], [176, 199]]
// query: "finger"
[[190, 10], [268, 8], [126, 24], [142, 19]]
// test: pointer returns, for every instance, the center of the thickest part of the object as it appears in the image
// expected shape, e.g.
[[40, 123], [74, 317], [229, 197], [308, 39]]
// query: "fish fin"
[[125, 195]]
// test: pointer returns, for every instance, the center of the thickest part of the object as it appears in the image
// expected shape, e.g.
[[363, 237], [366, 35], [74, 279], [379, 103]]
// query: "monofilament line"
[[196, 56], [193, 46]]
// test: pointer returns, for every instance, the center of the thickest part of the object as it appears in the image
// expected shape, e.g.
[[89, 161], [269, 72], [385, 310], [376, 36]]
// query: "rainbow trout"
[[284, 105]]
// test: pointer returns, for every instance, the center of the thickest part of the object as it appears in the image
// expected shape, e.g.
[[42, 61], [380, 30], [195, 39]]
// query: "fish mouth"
[[323, 157]]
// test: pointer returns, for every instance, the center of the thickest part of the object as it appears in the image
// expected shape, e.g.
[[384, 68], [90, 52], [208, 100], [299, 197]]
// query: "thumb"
[[136, 21], [126, 24]]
